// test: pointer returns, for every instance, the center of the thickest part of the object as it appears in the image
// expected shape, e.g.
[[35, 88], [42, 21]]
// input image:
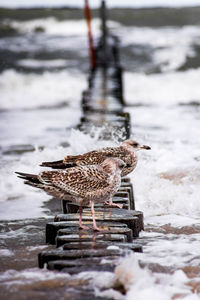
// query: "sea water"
[[43, 73]]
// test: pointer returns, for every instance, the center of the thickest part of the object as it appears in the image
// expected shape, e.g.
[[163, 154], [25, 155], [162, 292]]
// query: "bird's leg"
[[80, 219], [111, 204], [94, 239], [93, 218]]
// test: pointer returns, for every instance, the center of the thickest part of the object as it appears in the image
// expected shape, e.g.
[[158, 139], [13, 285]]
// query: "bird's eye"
[[121, 166], [135, 144]]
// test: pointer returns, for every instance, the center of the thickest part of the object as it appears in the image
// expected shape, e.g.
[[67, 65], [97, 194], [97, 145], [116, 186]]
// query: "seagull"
[[126, 151], [81, 184]]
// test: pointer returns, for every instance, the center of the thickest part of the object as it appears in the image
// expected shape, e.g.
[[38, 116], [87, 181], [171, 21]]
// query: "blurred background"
[[43, 71]]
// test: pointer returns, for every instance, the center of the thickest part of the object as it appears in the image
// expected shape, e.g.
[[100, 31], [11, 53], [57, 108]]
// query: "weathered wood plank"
[[133, 219], [61, 240], [85, 234], [99, 244], [60, 254], [81, 265], [53, 227]]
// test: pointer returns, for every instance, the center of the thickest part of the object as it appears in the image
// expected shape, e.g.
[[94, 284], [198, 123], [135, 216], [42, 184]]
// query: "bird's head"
[[133, 146]]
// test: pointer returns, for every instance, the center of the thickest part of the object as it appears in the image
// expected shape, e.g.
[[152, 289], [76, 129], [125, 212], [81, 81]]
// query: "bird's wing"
[[115, 152], [52, 190], [60, 194], [77, 181], [96, 156], [89, 158]]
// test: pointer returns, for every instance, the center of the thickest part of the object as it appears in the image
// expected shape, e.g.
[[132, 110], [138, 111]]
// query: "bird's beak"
[[145, 147]]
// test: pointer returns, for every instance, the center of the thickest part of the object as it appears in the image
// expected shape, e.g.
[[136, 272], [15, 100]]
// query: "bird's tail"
[[54, 164], [68, 162], [30, 179]]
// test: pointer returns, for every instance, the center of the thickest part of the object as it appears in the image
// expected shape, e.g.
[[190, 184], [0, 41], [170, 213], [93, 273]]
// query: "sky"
[[94, 3]]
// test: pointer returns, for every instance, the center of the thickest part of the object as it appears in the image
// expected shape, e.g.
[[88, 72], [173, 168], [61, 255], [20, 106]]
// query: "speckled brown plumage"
[[81, 184], [126, 151]]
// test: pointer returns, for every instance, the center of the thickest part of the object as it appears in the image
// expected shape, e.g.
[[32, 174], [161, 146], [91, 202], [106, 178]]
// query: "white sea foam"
[[27, 202], [171, 45], [141, 284], [166, 179], [31, 275], [159, 37], [6, 252], [170, 249], [20, 90], [33, 63], [32, 90], [52, 26], [173, 220], [162, 89], [20, 233], [57, 35], [43, 42]]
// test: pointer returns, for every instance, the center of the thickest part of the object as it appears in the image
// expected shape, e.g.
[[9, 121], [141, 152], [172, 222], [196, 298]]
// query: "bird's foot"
[[81, 227], [95, 228], [113, 204]]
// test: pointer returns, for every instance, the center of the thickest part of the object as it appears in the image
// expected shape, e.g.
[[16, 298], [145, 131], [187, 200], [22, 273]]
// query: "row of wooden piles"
[[103, 111]]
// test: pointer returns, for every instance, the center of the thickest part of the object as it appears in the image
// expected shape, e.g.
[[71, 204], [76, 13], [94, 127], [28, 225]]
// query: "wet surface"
[[24, 239]]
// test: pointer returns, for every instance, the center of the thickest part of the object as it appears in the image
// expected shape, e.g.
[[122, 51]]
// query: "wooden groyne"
[[104, 111]]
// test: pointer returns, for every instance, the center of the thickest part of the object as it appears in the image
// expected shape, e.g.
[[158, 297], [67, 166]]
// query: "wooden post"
[[104, 33], [91, 43]]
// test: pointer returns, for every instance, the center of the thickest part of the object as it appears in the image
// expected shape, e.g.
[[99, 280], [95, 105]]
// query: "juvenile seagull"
[[126, 151], [82, 184]]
